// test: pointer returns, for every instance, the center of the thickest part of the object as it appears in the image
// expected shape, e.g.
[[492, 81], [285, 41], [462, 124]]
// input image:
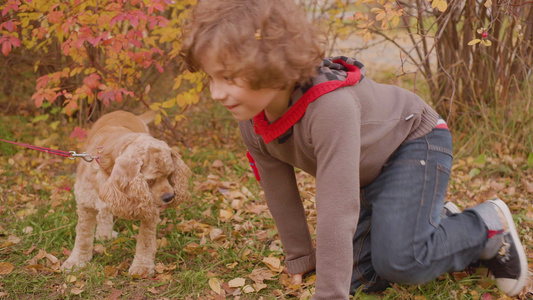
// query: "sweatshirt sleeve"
[[278, 181], [334, 127]]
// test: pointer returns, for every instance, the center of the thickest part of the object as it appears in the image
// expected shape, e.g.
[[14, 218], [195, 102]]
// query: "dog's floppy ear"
[[125, 191], [179, 178]]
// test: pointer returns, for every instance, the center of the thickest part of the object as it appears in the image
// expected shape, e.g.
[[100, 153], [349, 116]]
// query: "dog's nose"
[[168, 197]]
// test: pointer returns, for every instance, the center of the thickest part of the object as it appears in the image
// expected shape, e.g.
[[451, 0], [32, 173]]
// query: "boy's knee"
[[403, 270]]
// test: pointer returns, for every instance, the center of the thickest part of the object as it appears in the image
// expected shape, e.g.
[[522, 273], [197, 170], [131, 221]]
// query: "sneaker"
[[449, 210], [509, 265]]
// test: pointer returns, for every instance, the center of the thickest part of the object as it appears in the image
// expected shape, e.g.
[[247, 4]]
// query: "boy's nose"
[[217, 91]]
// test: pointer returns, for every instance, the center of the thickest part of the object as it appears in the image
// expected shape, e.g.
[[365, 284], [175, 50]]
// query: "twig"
[[51, 230]]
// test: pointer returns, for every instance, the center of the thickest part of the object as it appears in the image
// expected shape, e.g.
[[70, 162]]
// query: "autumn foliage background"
[[65, 63]]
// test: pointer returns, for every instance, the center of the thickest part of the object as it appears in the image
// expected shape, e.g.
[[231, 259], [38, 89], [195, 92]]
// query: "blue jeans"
[[400, 236]]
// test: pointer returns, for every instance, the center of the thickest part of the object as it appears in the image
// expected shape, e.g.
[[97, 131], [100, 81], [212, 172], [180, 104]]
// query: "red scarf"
[[269, 132]]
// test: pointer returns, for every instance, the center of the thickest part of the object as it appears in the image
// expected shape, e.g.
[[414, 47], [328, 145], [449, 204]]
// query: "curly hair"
[[269, 43]]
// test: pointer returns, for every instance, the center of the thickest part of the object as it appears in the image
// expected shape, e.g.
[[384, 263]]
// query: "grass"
[[223, 234]]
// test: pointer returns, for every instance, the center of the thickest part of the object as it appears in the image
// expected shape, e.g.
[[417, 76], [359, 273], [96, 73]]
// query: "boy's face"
[[235, 94]]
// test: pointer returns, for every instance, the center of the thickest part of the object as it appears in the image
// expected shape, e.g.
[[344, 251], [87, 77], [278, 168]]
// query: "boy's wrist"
[[301, 265]]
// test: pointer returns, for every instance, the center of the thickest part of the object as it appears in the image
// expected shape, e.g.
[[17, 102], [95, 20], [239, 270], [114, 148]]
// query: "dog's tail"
[[148, 117]]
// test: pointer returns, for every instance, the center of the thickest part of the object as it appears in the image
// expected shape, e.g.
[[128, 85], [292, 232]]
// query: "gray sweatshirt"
[[341, 129]]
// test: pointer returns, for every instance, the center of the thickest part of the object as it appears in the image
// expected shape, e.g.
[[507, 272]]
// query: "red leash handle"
[[70, 154], [42, 149]]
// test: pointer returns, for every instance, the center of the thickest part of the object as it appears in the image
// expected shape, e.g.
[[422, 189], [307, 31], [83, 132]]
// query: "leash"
[[69, 154]]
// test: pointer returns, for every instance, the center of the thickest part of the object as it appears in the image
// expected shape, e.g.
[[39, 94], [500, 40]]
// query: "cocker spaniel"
[[134, 176]]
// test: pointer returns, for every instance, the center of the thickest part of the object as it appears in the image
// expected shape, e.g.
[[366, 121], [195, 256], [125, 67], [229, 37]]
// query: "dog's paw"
[[142, 271], [71, 265]]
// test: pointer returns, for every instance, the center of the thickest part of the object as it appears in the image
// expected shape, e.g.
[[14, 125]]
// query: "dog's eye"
[[150, 181]]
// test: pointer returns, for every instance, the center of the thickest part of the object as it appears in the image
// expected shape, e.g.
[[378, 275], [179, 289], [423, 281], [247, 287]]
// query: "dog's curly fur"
[[135, 177]]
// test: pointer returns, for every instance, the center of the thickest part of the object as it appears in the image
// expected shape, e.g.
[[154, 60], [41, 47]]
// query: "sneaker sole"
[[451, 207], [521, 281]]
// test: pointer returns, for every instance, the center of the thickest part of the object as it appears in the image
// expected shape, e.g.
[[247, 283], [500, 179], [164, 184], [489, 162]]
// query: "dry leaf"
[[217, 164], [70, 279], [237, 282], [153, 290], [6, 268], [225, 215], [110, 271], [528, 185], [215, 233], [248, 289], [160, 268], [259, 286], [100, 249], [52, 259], [214, 283], [13, 239], [161, 243], [76, 291], [273, 263], [115, 295]]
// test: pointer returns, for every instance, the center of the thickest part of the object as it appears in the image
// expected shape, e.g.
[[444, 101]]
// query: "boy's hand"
[[296, 279]]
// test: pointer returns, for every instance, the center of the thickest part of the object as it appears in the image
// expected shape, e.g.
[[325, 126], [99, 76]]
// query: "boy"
[[381, 156]]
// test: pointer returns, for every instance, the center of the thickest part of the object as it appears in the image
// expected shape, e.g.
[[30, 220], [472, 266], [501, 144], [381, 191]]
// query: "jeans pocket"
[[441, 185]]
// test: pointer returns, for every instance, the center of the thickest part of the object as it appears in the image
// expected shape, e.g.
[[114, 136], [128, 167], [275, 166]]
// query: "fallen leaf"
[[70, 278], [528, 185], [110, 271], [100, 249], [248, 289], [6, 268], [214, 283], [259, 286], [217, 164], [115, 294], [76, 291], [273, 263], [225, 215], [215, 233], [237, 282], [13, 239]]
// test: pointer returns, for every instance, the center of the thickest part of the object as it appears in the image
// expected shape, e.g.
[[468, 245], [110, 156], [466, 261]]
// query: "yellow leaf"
[[70, 278], [384, 25], [488, 3], [155, 106], [443, 5], [177, 83], [486, 43], [180, 100], [168, 104], [395, 21], [157, 119], [367, 37], [214, 283], [473, 42], [6, 268]]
